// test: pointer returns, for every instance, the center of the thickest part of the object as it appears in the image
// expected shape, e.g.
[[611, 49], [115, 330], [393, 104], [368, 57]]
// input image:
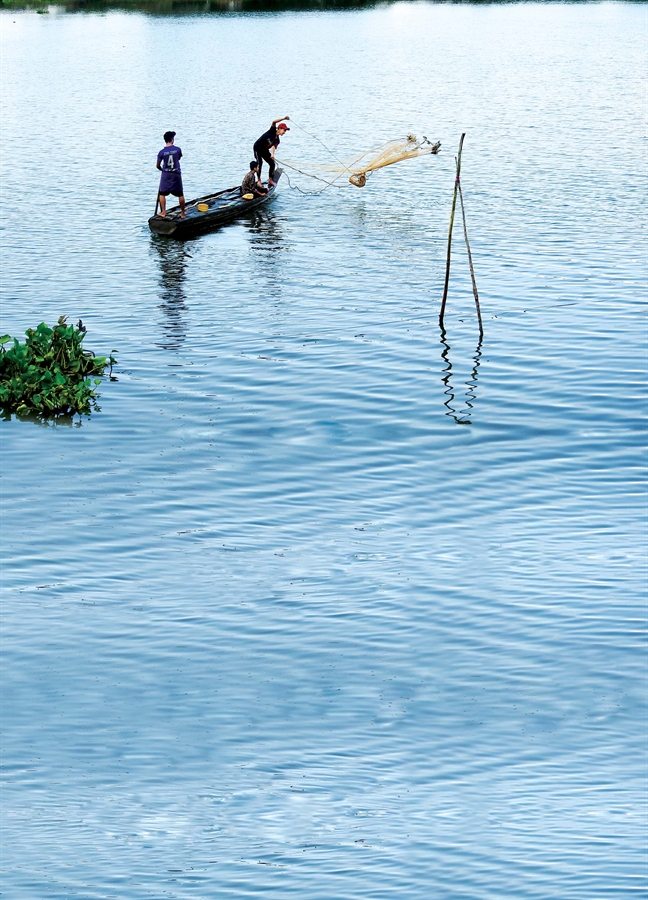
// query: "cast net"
[[360, 167]]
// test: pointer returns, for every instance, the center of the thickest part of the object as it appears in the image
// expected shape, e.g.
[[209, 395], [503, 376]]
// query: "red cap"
[[283, 125]]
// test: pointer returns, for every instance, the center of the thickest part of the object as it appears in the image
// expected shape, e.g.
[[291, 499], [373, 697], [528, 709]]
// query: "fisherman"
[[264, 148], [251, 183], [168, 162]]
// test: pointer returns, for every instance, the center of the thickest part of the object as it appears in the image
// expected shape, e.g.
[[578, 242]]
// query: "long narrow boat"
[[208, 212]]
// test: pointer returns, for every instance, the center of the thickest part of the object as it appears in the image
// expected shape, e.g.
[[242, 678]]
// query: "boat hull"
[[223, 206]]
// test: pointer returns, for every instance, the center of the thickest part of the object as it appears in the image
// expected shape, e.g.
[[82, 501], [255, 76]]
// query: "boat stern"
[[159, 225]]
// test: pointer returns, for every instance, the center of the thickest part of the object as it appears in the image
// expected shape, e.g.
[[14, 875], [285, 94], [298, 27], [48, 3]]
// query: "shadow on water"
[[63, 420], [456, 398], [172, 257]]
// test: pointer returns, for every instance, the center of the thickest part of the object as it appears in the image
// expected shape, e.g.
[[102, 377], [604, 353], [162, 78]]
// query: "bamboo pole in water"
[[452, 214], [472, 271]]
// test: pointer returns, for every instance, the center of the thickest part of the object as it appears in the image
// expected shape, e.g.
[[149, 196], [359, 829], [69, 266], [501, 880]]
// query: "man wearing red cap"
[[264, 148]]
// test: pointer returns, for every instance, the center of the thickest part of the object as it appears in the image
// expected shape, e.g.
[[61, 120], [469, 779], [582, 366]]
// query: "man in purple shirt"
[[168, 162]]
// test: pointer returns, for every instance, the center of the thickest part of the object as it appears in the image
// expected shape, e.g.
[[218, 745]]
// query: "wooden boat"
[[208, 212]]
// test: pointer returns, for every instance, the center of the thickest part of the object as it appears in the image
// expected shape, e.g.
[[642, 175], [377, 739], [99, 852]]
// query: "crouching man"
[[251, 183]]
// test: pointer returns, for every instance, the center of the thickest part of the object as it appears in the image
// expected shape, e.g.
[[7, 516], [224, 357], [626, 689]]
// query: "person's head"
[[253, 166], [169, 136], [282, 128]]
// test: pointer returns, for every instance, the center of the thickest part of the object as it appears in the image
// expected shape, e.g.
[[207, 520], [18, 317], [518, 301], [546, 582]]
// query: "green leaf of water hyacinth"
[[48, 375]]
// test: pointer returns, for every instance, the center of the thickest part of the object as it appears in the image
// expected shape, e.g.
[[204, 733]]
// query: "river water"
[[324, 602]]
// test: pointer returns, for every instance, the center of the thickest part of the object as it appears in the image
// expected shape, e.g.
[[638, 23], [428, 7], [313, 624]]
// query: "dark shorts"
[[262, 153], [171, 183]]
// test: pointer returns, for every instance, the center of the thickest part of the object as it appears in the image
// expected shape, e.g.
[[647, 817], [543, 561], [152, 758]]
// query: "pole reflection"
[[456, 398], [172, 257]]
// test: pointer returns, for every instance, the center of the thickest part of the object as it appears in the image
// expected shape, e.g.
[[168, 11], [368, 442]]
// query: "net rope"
[[359, 167]]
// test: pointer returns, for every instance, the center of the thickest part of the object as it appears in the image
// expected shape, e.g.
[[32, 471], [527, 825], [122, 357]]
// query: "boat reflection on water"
[[268, 245], [172, 257], [464, 396]]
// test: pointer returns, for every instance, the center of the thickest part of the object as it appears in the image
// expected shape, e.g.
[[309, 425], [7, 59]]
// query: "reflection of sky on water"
[[172, 257], [281, 625]]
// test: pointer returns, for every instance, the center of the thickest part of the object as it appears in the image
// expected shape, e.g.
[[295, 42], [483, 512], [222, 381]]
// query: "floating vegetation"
[[50, 375]]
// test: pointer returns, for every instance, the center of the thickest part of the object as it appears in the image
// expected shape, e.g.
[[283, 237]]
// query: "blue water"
[[324, 602]]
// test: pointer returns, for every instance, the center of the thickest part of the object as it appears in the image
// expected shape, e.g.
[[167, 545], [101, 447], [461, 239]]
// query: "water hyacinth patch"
[[50, 375]]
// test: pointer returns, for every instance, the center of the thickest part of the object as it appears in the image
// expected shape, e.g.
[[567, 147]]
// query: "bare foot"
[[182, 215], [271, 183]]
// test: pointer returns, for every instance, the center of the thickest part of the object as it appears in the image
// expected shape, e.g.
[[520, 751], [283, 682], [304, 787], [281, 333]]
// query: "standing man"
[[264, 148], [168, 162]]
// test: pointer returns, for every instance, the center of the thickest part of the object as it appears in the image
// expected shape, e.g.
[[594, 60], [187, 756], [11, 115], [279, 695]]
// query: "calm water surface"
[[323, 603]]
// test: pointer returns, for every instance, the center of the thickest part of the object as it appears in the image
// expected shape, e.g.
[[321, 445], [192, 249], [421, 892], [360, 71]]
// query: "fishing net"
[[361, 166]]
